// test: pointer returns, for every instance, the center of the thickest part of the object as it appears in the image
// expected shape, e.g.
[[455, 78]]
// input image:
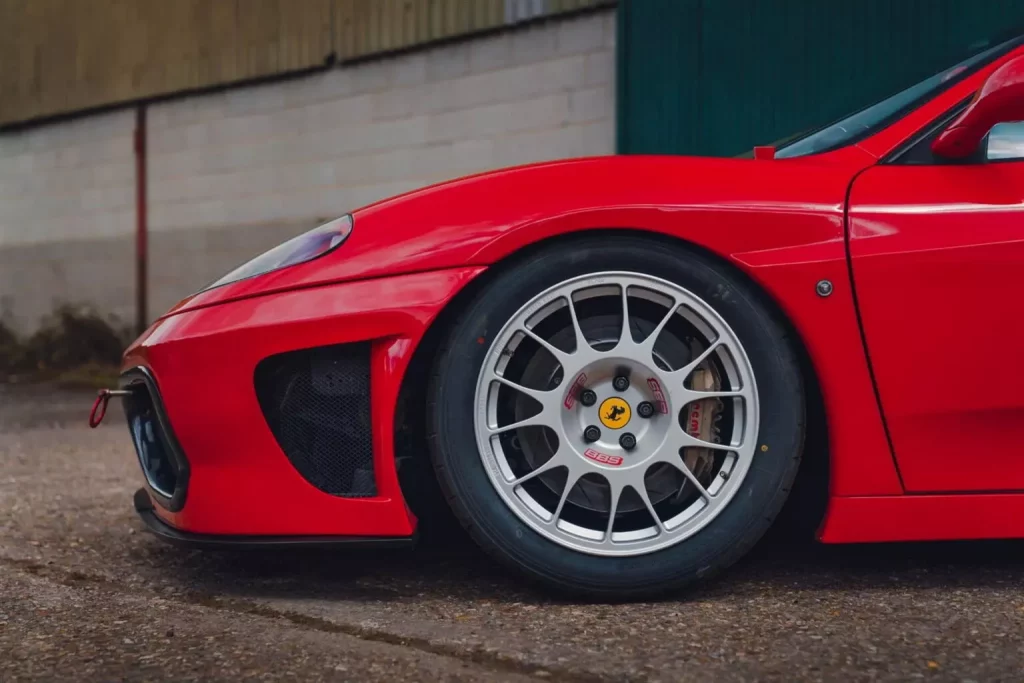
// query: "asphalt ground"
[[86, 594]]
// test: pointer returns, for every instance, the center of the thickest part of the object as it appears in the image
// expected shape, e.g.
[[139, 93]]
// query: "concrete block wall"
[[235, 172], [67, 217]]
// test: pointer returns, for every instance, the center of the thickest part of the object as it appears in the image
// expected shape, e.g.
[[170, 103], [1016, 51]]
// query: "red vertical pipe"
[[141, 228]]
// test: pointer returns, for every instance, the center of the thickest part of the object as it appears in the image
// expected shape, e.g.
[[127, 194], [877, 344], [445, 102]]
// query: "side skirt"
[[938, 517]]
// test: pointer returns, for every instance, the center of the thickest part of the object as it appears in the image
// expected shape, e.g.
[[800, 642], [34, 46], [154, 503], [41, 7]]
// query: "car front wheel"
[[616, 416]]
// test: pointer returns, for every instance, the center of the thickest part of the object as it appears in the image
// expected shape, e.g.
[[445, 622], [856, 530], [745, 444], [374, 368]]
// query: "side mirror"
[[999, 100]]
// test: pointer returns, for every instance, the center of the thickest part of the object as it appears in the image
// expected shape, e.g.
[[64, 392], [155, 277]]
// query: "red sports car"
[[612, 365]]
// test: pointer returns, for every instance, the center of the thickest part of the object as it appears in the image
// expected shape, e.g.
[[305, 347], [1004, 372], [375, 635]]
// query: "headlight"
[[305, 247]]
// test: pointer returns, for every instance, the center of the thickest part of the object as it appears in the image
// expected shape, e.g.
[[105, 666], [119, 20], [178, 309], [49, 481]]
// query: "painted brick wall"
[[235, 172]]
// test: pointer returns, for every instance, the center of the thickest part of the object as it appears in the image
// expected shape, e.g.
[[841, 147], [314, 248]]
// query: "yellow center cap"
[[614, 413]]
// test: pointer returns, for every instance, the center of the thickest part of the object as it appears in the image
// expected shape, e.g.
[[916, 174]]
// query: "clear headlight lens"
[[305, 247]]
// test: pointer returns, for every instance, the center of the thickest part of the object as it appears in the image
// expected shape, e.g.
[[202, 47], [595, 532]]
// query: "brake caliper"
[[702, 418]]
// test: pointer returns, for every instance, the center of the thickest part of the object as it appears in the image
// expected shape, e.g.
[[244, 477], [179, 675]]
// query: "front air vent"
[[317, 404]]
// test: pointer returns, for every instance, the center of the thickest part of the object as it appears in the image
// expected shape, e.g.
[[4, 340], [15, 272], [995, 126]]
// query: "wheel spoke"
[[553, 463], [570, 482], [538, 420], [581, 340], [686, 396], [673, 456], [561, 356], [648, 344], [545, 398], [682, 396], [681, 464], [641, 489], [685, 371], [724, 393], [690, 441], [614, 494]]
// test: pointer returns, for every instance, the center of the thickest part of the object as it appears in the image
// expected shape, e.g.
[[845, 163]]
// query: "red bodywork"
[[916, 365]]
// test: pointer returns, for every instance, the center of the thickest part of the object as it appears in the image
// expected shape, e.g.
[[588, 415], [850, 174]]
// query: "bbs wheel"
[[616, 416]]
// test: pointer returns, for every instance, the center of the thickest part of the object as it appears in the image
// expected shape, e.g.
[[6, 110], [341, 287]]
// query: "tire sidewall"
[[463, 473]]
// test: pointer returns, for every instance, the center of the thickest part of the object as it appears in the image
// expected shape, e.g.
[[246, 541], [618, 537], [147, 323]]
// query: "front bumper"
[[165, 532], [239, 482]]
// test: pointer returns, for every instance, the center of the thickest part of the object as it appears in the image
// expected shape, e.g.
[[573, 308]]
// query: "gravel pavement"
[[87, 594]]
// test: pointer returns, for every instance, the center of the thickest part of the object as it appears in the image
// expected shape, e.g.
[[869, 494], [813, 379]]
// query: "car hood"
[[467, 221]]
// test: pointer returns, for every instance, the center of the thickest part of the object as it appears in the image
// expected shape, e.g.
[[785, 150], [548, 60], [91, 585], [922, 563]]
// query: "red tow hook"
[[99, 406]]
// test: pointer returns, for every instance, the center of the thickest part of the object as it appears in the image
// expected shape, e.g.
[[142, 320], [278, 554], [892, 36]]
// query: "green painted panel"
[[716, 77], [654, 104]]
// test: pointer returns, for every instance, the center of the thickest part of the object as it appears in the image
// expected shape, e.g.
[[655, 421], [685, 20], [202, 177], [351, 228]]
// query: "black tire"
[[464, 481]]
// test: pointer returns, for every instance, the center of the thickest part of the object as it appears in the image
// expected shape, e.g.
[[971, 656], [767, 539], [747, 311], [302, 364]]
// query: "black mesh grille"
[[317, 403]]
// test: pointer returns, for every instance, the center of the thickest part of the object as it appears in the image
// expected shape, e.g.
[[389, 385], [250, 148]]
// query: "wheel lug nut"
[[621, 383], [645, 409], [588, 397], [627, 441], [591, 434]]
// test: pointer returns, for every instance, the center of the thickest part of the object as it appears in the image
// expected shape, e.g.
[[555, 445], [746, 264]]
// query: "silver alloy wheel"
[[661, 440]]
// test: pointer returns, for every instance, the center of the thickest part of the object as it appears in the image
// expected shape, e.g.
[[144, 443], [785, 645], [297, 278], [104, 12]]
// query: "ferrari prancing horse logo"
[[614, 413]]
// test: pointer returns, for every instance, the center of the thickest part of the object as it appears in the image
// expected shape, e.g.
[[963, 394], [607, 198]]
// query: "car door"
[[937, 259]]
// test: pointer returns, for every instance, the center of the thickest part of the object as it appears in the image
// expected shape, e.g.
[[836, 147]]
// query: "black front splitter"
[[185, 539]]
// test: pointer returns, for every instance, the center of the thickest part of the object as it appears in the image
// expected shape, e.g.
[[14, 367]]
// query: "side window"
[[1006, 141]]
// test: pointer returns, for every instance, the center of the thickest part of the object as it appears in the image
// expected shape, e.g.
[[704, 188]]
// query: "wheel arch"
[[810, 491]]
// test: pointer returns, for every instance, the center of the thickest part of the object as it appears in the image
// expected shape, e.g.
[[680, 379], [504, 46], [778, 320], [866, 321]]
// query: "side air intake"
[[317, 403]]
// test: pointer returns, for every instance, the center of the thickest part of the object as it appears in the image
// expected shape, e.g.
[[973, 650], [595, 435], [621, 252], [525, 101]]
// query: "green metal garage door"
[[716, 77]]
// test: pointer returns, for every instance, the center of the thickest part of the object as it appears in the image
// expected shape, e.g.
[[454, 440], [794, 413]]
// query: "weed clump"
[[70, 339]]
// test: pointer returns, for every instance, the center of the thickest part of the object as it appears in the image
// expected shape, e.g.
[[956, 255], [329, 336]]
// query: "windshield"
[[867, 121]]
